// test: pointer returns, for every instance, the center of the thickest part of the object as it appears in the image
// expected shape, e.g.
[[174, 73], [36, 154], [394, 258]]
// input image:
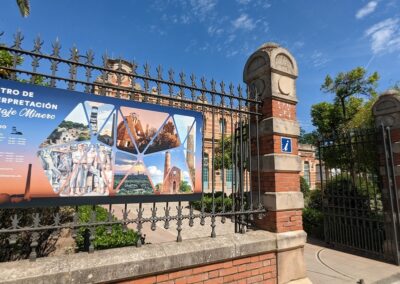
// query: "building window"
[[229, 175], [205, 171], [307, 172], [318, 174], [222, 125]]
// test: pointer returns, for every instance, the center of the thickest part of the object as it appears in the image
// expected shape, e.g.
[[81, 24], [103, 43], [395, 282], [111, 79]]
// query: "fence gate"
[[359, 194]]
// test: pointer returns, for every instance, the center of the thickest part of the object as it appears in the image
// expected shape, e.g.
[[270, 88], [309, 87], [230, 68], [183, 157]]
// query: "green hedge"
[[304, 187], [103, 239], [313, 222], [207, 199], [313, 218]]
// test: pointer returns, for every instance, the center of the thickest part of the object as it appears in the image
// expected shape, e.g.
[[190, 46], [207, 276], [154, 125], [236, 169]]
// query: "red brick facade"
[[254, 269], [282, 221]]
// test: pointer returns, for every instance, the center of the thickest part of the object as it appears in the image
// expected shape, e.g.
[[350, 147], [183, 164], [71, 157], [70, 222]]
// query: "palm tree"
[[24, 7]]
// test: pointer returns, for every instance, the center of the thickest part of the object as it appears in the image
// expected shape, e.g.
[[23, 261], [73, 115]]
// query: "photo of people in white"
[[75, 160], [78, 169]]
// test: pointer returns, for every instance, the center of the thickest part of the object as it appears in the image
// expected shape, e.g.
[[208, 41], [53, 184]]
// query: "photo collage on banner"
[[101, 150]]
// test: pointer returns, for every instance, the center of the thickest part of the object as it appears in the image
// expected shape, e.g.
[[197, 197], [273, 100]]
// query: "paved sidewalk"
[[162, 235], [326, 266]]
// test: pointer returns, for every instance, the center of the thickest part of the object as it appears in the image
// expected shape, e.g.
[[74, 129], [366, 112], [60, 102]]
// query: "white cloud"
[[318, 59], [367, 9], [231, 38], [244, 22], [212, 30], [298, 44], [154, 171], [202, 7], [385, 36], [185, 19], [186, 174], [243, 2], [231, 53], [122, 168], [264, 4]]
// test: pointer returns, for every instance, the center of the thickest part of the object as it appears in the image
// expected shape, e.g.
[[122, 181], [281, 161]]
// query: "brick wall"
[[277, 182], [282, 221], [255, 269]]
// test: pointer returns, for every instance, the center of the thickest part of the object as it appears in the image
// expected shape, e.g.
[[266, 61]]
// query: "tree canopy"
[[7, 60], [225, 160], [348, 84], [355, 93], [308, 138]]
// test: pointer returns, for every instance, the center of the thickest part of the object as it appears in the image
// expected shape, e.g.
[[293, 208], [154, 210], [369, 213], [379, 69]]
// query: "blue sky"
[[215, 37]]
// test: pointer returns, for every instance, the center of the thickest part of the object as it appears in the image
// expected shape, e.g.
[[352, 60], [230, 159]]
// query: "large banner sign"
[[61, 147]]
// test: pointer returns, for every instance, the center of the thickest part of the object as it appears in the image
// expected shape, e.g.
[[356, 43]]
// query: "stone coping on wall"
[[130, 262]]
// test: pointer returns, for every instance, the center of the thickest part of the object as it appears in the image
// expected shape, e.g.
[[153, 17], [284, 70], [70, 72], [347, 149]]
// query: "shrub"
[[104, 238], [313, 221], [207, 200], [304, 187], [314, 200], [313, 217], [359, 194], [46, 238]]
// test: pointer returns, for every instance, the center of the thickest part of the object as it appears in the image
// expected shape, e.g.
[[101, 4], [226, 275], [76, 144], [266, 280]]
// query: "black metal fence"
[[356, 201], [237, 108]]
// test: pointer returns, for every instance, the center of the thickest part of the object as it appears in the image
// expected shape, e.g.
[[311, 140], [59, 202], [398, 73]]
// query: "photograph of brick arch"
[[170, 172], [150, 131]]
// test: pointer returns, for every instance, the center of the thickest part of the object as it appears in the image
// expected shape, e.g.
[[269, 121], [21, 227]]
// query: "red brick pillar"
[[387, 114], [272, 72]]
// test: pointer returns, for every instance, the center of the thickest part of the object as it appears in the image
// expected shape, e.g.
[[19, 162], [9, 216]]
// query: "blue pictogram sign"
[[286, 145]]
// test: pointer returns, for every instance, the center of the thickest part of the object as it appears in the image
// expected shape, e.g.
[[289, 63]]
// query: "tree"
[[7, 60], [226, 145], [326, 118], [348, 84], [363, 117], [329, 120], [348, 110], [184, 186], [308, 138], [24, 7]]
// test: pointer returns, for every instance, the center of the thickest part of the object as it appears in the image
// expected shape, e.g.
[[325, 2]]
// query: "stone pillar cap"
[[386, 109], [390, 92], [269, 44], [270, 56], [388, 102]]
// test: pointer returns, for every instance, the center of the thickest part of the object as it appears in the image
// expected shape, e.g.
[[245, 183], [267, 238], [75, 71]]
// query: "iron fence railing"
[[229, 147], [356, 193]]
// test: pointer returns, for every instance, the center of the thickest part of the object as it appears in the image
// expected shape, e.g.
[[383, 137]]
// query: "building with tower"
[[190, 154], [172, 176], [93, 119]]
